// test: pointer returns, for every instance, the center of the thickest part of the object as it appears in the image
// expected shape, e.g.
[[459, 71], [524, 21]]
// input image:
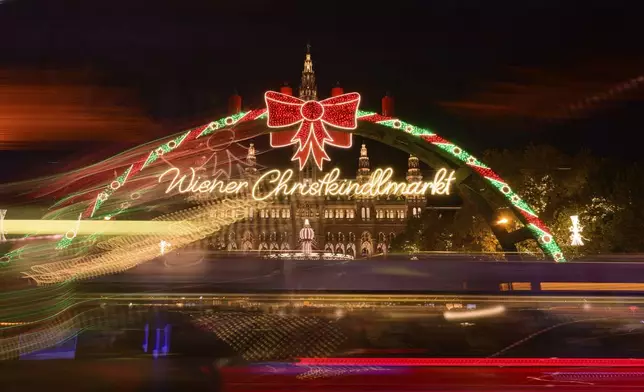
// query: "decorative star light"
[[575, 232], [312, 116]]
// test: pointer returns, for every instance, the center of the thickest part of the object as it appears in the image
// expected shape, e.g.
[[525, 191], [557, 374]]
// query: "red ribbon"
[[312, 135]]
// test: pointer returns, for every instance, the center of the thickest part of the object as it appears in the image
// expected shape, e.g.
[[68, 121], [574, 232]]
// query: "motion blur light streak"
[[474, 362], [72, 108], [86, 227], [122, 253], [473, 314]]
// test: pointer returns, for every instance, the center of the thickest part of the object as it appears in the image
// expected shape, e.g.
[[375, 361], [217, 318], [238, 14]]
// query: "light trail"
[[474, 362], [87, 227], [451, 315]]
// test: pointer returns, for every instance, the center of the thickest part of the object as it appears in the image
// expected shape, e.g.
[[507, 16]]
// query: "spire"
[[413, 169], [250, 157], [364, 169], [251, 163], [308, 88]]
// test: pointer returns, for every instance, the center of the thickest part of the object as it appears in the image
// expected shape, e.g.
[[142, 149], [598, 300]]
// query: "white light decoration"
[[3, 213], [163, 245], [575, 232]]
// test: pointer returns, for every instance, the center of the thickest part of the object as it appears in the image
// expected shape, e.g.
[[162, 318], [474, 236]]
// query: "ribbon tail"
[[311, 148]]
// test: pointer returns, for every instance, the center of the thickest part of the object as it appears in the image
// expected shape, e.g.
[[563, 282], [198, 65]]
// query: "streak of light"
[[125, 252], [40, 237], [393, 298], [87, 227], [474, 314], [474, 362]]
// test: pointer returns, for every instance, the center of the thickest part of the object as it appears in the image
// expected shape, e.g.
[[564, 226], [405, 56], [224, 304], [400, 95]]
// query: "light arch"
[[427, 145]]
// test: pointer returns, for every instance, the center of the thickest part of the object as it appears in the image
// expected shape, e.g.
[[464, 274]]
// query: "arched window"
[[368, 212], [364, 213]]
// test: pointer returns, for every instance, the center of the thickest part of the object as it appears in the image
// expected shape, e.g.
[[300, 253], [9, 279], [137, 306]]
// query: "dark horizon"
[[498, 76]]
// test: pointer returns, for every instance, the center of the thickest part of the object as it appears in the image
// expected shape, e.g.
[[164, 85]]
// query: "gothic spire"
[[364, 169], [413, 169], [251, 163], [308, 88]]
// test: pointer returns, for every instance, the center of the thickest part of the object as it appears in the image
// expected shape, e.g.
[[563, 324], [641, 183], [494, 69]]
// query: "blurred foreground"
[[163, 341]]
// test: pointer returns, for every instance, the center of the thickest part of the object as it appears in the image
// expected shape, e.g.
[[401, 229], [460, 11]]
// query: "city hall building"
[[356, 226]]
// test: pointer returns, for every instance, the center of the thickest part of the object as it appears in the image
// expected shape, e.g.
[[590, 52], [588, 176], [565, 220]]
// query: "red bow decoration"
[[312, 135]]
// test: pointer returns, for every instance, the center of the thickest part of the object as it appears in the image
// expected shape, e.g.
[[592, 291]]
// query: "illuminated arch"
[[423, 143]]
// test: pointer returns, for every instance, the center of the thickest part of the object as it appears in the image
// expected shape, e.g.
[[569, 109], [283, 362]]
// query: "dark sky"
[[483, 73]]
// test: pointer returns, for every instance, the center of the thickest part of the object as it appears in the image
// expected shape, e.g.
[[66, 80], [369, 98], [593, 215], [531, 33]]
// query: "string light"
[[538, 229], [340, 112]]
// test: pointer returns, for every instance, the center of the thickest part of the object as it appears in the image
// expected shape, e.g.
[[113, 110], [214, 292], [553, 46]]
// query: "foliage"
[[608, 198]]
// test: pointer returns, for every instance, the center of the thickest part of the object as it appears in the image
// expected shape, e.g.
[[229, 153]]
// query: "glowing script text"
[[276, 183]]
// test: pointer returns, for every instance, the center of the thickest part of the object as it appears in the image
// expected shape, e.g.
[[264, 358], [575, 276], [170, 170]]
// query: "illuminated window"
[[364, 213], [368, 213]]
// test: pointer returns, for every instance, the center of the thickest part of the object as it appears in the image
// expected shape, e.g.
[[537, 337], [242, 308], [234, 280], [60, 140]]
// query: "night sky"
[[486, 74]]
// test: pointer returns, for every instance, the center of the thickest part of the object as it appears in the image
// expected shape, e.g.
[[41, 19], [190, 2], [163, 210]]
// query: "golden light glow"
[[276, 182]]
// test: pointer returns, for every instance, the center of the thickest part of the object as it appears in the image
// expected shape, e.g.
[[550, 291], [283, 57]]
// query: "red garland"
[[312, 135]]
